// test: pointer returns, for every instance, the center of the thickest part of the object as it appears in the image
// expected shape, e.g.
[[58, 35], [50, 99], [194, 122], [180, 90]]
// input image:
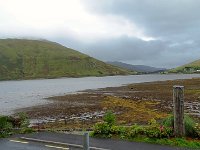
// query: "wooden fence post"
[[178, 102]]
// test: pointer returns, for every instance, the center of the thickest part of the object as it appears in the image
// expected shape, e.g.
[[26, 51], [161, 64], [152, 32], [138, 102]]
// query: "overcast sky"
[[160, 33]]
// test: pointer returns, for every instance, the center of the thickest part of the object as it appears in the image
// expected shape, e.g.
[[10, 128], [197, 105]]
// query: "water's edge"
[[26, 93]]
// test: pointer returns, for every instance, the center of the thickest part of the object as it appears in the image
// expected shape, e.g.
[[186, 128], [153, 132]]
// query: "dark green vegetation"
[[10, 125], [29, 59], [159, 133], [193, 67]]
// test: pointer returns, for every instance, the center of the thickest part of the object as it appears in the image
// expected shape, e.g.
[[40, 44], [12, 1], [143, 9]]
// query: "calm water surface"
[[25, 93]]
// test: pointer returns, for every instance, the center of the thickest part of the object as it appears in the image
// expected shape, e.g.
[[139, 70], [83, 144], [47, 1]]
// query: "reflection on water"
[[25, 93]]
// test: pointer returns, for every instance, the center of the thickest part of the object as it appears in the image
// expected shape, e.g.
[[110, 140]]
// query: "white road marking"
[[16, 141], [57, 147]]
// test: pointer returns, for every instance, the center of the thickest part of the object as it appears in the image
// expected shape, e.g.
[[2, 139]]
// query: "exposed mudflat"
[[27, 93], [134, 103]]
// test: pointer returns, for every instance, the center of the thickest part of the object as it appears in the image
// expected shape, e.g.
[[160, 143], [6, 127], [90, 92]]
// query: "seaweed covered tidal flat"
[[134, 103]]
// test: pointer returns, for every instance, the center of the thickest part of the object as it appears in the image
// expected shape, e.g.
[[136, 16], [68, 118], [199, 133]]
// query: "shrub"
[[3, 122], [102, 129], [24, 119], [189, 125], [27, 130], [115, 130], [8, 123], [110, 118], [119, 131], [152, 132], [197, 129], [135, 130], [169, 121], [106, 128], [123, 131], [166, 132], [139, 129], [5, 126], [155, 130]]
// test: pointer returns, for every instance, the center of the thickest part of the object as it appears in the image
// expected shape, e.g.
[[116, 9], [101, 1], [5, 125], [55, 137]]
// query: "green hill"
[[29, 59], [193, 67]]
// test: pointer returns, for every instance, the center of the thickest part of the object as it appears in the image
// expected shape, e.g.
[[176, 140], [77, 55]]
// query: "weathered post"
[[178, 101], [86, 141]]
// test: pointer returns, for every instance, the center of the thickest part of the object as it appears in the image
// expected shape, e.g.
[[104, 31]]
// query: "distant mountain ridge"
[[138, 68], [30, 59]]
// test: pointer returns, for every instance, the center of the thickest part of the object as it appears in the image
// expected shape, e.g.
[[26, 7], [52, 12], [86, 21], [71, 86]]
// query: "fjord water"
[[26, 93]]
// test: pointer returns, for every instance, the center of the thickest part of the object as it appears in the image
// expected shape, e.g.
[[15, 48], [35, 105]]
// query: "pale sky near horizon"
[[158, 33]]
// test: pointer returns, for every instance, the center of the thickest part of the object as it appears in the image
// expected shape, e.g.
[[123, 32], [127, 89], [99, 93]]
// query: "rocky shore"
[[134, 103]]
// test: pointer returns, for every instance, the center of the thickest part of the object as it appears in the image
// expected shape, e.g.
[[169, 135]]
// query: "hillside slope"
[[29, 59], [138, 68], [193, 67]]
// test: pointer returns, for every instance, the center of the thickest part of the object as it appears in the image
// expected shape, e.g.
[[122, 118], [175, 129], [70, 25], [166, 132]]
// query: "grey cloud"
[[174, 23], [131, 50], [177, 19]]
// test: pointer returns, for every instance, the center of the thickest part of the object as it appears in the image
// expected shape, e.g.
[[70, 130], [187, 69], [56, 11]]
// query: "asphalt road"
[[99, 143], [17, 144]]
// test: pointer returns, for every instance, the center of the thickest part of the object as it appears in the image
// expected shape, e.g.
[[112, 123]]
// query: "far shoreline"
[[64, 77], [78, 77]]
